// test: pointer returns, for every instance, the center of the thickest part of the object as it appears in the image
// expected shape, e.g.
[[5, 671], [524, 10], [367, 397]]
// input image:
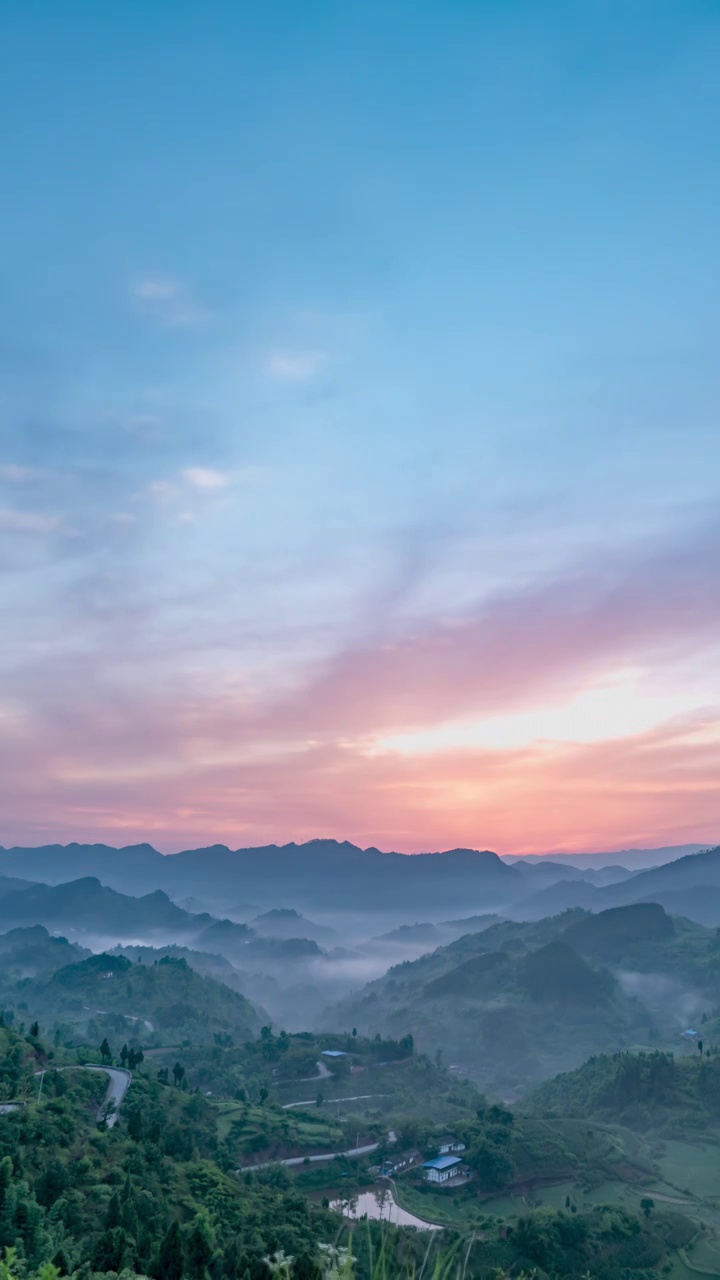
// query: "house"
[[689, 1034], [333, 1053], [442, 1168], [397, 1164], [450, 1146]]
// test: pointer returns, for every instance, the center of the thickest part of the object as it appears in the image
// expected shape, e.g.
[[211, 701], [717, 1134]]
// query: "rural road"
[[118, 1085], [296, 1160], [323, 1073], [356, 1097]]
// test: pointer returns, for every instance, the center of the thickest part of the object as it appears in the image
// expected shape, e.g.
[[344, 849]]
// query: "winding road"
[[118, 1085]]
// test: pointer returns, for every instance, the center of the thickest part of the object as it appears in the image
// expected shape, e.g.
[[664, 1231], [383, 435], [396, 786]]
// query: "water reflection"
[[381, 1205]]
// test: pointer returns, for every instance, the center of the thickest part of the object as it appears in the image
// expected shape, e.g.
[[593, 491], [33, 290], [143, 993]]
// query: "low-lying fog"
[[668, 1000], [295, 990]]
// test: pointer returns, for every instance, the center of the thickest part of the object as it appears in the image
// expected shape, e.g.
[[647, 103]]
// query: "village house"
[[448, 1171], [450, 1147], [397, 1164]]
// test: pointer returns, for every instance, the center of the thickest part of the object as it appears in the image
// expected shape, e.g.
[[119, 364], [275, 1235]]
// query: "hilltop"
[[646, 1091], [518, 1002], [107, 995]]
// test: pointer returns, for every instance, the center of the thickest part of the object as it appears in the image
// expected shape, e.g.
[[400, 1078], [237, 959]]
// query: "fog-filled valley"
[[487, 1049], [510, 970]]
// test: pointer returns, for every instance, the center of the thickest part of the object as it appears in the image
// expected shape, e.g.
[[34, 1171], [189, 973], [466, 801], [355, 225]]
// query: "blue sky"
[[330, 332]]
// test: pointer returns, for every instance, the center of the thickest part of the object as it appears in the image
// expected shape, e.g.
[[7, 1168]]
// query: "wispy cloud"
[[163, 492], [198, 481], [288, 365], [15, 474], [206, 479], [31, 522], [168, 302]]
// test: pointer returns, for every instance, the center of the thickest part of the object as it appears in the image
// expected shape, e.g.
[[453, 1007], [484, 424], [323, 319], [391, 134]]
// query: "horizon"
[[359, 453], [695, 846]]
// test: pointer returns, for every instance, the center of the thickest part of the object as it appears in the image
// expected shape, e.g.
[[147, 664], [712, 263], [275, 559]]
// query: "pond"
[[381, 1205]]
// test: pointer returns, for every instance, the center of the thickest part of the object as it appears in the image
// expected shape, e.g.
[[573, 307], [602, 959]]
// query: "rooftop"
[[442, 1162]]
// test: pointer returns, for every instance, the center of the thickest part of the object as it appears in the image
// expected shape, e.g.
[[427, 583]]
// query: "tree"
[[354, 1031], [171, 1259], [178, 1073], [105, 1051], [700, 1046], [135, 1124], [112, 1250], [319, 1098], [647, 1205], [263, 1095], [34, 1031], [200, 1248], [124, 1055]]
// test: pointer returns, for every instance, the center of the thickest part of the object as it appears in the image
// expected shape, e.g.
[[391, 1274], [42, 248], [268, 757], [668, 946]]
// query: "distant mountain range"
[[87, 910], [690, 886], [323, 874], [632, 859], [331, 877]]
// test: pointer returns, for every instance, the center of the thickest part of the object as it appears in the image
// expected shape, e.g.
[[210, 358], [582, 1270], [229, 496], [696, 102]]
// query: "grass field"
[[692, 1167], [455, 1209], [705, 1253], [256, 1128]]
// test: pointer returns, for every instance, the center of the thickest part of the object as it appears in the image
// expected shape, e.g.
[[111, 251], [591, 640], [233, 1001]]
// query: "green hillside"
[[164, 1002], [156, 1195], [30, 951], [646, 1091], [522, 1001], [507, 1014]]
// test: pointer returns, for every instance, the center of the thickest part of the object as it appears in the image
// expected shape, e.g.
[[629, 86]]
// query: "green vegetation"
[[645, 1091], [159, 1195], [520, 1002], [107, 995], [151, 1195]]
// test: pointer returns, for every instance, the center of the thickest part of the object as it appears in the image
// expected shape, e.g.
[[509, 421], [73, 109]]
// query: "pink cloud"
[[98, 749]]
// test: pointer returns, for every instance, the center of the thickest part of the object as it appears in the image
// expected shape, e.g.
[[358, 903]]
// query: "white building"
[[441, 1169], [450, 1146]]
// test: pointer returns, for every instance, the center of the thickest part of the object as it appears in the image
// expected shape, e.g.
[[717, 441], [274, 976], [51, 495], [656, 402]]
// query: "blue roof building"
[[333, 1053], [441, 1168]]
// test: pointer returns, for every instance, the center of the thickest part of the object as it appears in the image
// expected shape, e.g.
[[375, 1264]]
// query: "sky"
[[360, 423]]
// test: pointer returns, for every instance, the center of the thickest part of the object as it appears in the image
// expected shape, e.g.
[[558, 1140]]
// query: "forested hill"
[[646, 1091], [167, 997], [156, 1195], [521, 1001]]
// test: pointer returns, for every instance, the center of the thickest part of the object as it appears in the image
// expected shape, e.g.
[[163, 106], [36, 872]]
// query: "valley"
[[572, 1061]]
